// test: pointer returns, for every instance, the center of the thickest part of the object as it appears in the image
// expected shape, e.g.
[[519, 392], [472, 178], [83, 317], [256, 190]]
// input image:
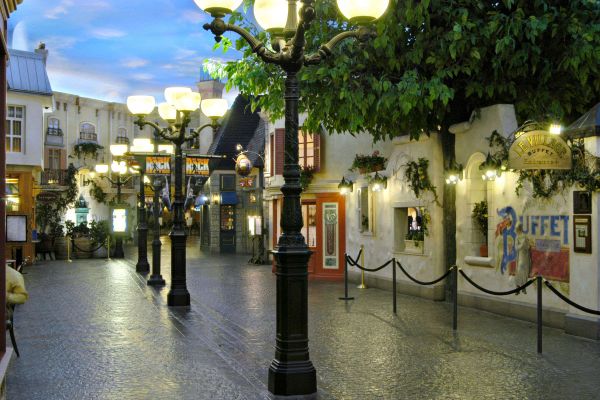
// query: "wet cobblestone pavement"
[[94, 330]]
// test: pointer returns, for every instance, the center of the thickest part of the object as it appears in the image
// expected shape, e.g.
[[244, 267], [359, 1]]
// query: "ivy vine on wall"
[[585, 170], [97, 193], [417, 174], [86, 149]]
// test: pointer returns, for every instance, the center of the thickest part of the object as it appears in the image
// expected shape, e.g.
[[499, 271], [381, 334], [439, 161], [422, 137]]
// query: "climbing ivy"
[[417, 175]]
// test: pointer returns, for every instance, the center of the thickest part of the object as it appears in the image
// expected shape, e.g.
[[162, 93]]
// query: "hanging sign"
[[247, 182], [539, 149], [158, 165], [196, 166]]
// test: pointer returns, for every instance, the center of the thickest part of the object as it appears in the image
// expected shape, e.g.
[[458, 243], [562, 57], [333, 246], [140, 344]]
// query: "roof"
[[256, 145], [26, 72], [586, 125], [238, 127]]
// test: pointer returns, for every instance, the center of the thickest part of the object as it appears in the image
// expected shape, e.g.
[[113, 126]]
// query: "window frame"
[[10, 122]]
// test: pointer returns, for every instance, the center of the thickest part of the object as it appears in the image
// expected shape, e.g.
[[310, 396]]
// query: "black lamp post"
[[156, 278], [176, 112], [291, 371], [119, 168]]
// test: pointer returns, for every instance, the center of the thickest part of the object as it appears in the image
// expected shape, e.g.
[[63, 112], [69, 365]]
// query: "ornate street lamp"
[[291, 371], [454, 173], [378, 182], [180, 103], [491, 168], [118, 168]]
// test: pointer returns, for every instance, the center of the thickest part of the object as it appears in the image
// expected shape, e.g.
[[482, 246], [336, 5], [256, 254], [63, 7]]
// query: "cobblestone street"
[[94, 330]]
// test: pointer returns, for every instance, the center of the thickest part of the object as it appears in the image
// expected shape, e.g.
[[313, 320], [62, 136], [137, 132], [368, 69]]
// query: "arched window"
[[87, 132], [122, 136], [54, 127], [476, 194]]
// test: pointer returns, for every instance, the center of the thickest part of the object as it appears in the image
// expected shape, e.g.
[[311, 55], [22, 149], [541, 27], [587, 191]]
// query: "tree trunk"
[[448, 149]]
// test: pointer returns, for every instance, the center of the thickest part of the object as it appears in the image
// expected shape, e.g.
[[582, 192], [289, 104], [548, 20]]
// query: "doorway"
[[227, 222]]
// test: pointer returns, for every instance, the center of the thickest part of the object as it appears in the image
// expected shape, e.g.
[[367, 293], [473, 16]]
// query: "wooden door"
[[310, 232]]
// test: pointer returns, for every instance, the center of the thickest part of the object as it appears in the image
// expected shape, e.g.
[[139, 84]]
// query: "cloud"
[[194, 17], [61, 9], [59, 43], [135, 62], [107, 33], [142, 77]]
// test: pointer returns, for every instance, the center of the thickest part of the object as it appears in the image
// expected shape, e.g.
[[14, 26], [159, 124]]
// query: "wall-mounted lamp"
[[215, 198], [556, 129], [454, 173], [346, 186], [491, 168], [378, 183]]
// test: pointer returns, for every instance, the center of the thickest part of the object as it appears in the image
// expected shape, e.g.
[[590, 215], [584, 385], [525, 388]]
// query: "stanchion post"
[[362, 272], [69, 249], [455, 299], [108, 248], [394, 283], [346, 280], [539, 314]]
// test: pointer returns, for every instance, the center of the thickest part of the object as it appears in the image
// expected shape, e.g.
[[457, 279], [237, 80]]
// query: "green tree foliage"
[[434, 62]]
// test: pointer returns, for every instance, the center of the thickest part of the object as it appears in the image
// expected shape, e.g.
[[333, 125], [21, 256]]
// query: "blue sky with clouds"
[[109, 49]]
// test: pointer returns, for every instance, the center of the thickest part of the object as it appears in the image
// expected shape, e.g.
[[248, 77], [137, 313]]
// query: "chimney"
[[210, 89], [41, 49]]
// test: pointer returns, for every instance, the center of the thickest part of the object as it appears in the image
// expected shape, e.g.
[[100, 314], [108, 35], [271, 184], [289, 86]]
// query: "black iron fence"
[[56, 177]]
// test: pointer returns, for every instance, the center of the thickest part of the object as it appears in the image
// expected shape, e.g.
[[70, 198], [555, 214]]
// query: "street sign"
[[195, 166], [158, 165]]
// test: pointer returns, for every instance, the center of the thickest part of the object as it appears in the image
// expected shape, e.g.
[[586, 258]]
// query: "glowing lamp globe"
[[167, 112], [173, 94], [271, 15], [166, 148], [243, 165], [142, 145], [101, 168], [188, 102], [218, 8], [361, 11], [214, 108], [141, 105], [118, 150]]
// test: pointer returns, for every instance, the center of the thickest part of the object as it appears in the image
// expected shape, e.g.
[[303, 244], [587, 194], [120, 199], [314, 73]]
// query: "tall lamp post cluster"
[[291, 371], [176, 111]]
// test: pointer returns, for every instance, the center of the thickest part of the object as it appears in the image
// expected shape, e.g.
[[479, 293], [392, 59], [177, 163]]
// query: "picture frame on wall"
[[582, 231], [16, 228]]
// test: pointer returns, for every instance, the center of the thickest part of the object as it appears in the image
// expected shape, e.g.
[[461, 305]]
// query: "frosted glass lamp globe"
[[218, 8], [361, 11], [141, 105]]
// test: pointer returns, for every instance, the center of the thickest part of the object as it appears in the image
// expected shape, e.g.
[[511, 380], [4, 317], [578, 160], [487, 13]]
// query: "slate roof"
[[26, 73], [256, 146], [239, 126], [586, 125]]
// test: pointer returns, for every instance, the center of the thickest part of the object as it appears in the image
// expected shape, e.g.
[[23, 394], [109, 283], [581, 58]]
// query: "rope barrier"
[[371, 270], [529, 282], [85, 251], [569, 301], [421, 282]]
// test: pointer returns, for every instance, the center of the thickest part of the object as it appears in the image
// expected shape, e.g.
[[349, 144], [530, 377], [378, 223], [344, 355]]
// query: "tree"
[[433, 63]]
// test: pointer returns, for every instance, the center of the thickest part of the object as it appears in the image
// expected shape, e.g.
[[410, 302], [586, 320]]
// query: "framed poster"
[[582, 231], [119, 220], [16, 228]]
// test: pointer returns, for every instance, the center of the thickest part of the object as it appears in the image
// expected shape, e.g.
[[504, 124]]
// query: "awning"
[[229, 198]]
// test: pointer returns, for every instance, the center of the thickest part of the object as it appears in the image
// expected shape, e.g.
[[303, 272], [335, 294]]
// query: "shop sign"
[[196, 166], [539, 150], [247, 182], [47, 197], [158, 165]]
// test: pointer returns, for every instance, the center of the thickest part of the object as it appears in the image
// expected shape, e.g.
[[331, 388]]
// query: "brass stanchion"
[[362, 272], [108, 248], [69, 249]]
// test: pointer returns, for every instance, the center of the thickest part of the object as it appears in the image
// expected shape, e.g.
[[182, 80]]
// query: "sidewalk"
[[94, 330]]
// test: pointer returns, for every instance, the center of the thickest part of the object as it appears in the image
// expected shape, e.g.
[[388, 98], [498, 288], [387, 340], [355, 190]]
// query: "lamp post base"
[[156, 280], [142, 267], [178, 298], [119, 253], [295, 378]]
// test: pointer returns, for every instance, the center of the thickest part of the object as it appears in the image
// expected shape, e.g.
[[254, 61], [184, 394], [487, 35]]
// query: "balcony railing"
[[54, 132], [88, 137], [54, 177], [122, 140]]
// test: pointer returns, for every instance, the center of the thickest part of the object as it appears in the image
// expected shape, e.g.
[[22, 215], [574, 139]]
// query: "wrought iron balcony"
[[54, 177], [88, 137], [122, 140], [54, 132]]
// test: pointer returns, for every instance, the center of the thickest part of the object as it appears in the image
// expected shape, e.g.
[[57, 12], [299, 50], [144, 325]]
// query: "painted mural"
[[544, 238]]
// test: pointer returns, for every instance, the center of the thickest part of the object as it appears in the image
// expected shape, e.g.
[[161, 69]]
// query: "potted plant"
[[480, 217], [82, 244], [99, 233], [365, 163]]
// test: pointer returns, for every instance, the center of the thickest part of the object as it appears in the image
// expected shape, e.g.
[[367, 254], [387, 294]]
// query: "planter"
[[82, 248], [414, 246], [101, 252], [374, 168], [60, 248], [483, 250]]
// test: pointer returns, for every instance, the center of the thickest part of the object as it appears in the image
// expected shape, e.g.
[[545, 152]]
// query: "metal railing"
[[54, 132], [54, 177], [88, 137], [122, 140]]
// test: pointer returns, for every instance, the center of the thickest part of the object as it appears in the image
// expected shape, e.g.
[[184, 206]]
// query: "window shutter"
[[279, 150], [317, 146]]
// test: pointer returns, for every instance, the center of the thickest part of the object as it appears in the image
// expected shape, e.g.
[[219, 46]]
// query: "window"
[[409, 229], [309, 218], [58, 106], [12, 194], [308, 150], [54, 127], [54, 159], [123, 132], [227, 183], [271, 155], [14, 129], [88, 132], [365, 210]]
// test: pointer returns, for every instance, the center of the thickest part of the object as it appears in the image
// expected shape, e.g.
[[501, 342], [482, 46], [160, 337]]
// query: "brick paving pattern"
[[94, 330]]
